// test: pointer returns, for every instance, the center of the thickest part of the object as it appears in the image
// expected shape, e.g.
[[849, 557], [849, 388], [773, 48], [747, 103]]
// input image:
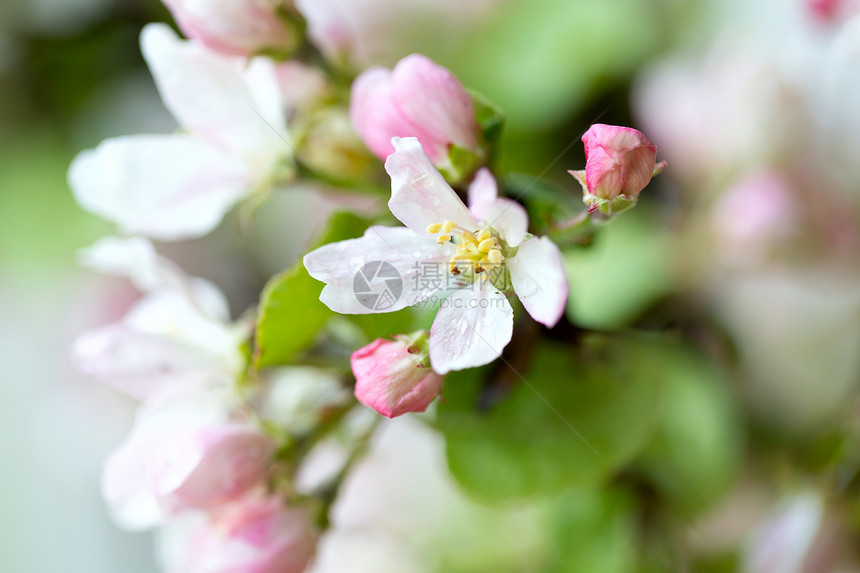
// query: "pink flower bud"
[[259, 535], [619, 160], [418, 98], [211, 466], [237, 27], [393, 381]]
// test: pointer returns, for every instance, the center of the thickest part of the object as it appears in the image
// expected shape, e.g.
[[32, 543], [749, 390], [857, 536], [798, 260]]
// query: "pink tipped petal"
[[483, 192], [419, 194], [471, 329], [239, 27], [618, 160], [338, 264], [169, 187], [254, 536], [212, 466], [433, 99], [210, 96], [391, 380], [539, 279], [505, 215]]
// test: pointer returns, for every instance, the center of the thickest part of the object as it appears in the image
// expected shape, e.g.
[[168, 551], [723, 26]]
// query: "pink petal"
[[483, 191], [210, 467], [390, 380], [239, 27], [433, 100], [373, 114]]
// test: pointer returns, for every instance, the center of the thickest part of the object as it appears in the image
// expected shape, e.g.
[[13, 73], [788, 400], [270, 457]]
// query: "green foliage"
[[290, 314], [626, 269], [573, 420], [490, 118], [697, 448], [290, 317], [593, 531], [549, 55], [546, 204]]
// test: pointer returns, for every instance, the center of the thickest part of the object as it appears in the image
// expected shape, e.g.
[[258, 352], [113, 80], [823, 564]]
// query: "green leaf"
[[341, 226], [290, 317], [290, 314], [571, 422]]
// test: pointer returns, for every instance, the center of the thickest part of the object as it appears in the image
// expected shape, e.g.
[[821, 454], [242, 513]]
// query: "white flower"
[[180, 185], [476, 249], [178, 336]]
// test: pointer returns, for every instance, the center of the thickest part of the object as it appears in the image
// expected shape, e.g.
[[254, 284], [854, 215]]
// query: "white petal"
[[419, 194], [471, 329], [174, 315], [140, 364], [136, 259], [414, 257], [132, 257], [164, 186], [508, 217], [538, 278], [213, 96], [124, 488]]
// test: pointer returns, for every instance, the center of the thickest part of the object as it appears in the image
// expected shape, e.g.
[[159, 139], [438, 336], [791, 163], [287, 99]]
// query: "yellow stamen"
[[485, 245], [495, 256], [448, 226], [484, 235], [434, 228], [442, 239]]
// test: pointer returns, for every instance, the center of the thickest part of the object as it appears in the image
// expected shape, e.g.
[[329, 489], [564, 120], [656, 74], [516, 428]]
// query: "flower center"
[[477, 251]]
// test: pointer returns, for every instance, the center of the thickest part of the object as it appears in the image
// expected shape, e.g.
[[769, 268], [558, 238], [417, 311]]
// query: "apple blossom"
[[475, 251], [620, 162], [395, 377], [233, 143], [178, 336], [421, 99], [756, 216], [254, 534], [192, 451], [236, 27]]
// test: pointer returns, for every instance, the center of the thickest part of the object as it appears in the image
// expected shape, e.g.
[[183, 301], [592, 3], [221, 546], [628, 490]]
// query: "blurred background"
[[745, 253]]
